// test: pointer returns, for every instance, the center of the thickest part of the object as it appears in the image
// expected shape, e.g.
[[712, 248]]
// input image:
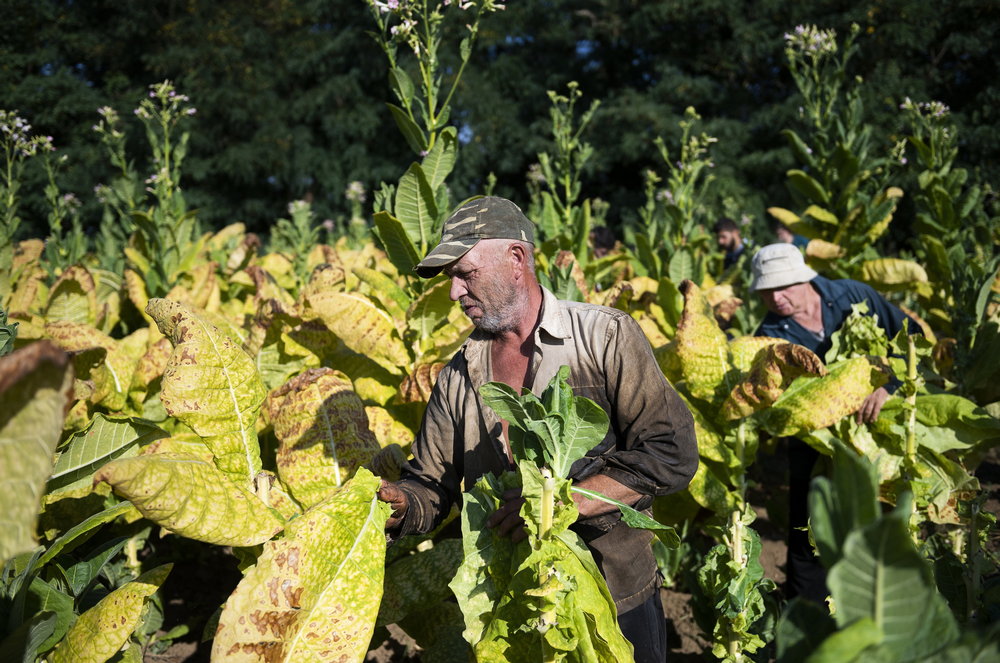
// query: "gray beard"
[[504, 318]]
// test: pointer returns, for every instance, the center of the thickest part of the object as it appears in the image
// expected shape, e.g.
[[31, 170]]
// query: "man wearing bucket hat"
[[522, 336], [806, 308]]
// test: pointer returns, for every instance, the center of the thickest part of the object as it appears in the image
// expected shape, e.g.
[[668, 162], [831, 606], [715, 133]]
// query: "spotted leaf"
[[312, 596], [211, 385], [101, 631], [191, 497], [323, 432]]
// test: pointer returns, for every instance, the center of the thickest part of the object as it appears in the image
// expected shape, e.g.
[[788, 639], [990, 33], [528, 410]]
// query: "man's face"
[[728, 240], [786, 301], [481, 281]]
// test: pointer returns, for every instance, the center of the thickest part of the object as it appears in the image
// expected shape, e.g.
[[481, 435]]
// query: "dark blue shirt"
[[836, 299]]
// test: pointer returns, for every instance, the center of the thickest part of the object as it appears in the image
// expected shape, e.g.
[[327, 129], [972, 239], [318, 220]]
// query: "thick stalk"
[[911, 401], [548, 503], [736, 530], [972, 562]]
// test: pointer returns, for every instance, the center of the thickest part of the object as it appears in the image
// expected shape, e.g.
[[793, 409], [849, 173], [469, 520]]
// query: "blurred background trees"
[[290, 95]]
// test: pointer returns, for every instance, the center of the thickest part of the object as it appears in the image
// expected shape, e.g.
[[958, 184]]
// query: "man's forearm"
[[608, 487]]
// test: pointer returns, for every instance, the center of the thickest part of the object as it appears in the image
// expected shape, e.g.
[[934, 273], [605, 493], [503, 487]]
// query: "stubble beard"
[[501, 317]]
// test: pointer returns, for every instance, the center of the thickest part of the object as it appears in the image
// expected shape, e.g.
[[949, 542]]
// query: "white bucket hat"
[[779, 265]]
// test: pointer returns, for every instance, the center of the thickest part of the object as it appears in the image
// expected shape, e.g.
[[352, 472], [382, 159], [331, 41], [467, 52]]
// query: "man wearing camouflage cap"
[[522, 336]]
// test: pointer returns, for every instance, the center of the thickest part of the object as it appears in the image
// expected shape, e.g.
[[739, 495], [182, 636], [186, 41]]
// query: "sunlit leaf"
[[191, 497], [323, 432], [314, 594], [35, 386]]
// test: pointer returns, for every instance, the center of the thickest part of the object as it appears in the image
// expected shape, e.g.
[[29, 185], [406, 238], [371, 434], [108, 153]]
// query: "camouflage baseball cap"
[[483, 218]]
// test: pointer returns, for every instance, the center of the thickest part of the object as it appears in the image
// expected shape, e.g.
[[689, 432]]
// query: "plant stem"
[[911, 400], [548, 503]]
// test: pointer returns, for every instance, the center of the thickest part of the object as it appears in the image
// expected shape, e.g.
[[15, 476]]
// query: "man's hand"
[[508, 517], [391, 493], [868, 412]]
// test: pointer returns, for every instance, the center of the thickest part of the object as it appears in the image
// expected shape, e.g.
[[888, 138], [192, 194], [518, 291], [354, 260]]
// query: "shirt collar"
[[553, 322]]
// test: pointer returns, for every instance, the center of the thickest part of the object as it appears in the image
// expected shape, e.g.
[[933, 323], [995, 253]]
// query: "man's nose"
[[457, 289]]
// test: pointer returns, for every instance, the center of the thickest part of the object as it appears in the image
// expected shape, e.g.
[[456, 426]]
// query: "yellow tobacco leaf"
[[323, 432], [30, 292], [811, 403], [73, 297], [702, 347], [892, 273], [191, 497], [774, 368], [198, 288], [363, 327], [108, 362], [135, 286], [100, 632], [416, 387], [35, 388], [744, 349], [823, 250], [668, 361], [386, 428], [212, 386], [312, 596]]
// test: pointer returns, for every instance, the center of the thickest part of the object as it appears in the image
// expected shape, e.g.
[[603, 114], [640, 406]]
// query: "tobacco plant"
[[542, 598], [888, 607], [842, 188]]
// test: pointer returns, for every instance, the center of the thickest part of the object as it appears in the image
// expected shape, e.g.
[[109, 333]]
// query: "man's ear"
[[518, 255]]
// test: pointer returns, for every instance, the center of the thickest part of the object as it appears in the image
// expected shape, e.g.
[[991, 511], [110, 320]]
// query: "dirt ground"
[[210, 581]]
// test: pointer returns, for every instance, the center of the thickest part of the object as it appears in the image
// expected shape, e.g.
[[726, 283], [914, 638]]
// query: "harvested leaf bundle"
[[543, 598]]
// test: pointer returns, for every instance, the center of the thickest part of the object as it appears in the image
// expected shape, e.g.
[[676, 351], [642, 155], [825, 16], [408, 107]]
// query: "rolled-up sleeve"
[[657, 453]]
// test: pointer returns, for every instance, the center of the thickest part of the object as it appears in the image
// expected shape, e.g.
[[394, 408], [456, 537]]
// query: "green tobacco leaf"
[[419, 581], [193, 498], [401, 84], [440, 161], [950, 422], [414, 136], [882, 577], [802, 627], [75, 535], [44, 598], [23, 643], [323, 432], [73, 298], [398, 246], [313, 595], [812, 190], [103, 440], [636, 519], [416, 207], [35, 388], [430, 309], [848, 643], [563, 426], [507, 591], [847, 502], [384, 289], [82, 574], [101, 631], [212, 386]]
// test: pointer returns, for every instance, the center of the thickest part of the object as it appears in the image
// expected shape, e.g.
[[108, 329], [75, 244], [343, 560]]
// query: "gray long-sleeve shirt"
[[650, 446]]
